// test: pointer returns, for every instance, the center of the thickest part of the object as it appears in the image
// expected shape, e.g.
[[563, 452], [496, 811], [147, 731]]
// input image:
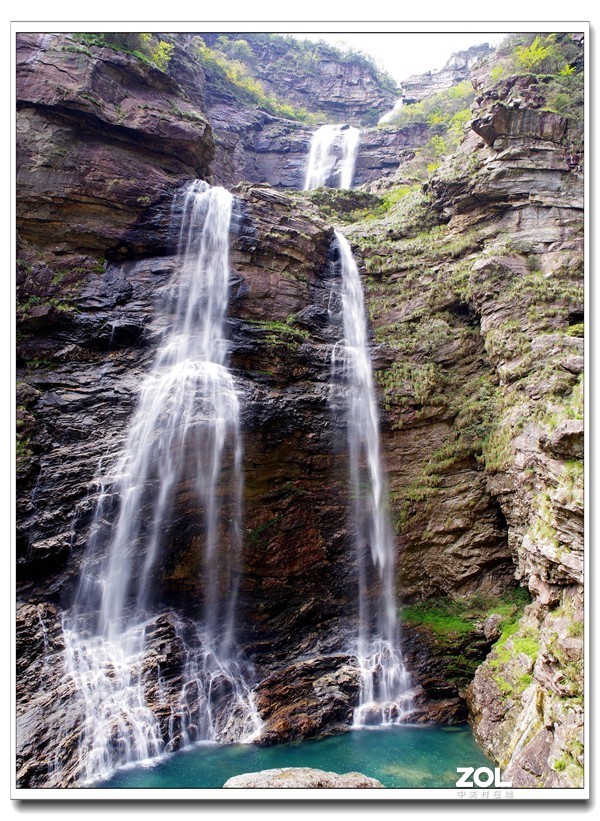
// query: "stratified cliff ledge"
[[475, 291]]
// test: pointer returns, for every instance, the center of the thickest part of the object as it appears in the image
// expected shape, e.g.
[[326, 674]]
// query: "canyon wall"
[[474, 287], [476, 290]]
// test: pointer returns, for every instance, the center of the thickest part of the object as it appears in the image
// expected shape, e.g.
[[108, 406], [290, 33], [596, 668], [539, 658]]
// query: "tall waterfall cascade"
[[385, 694], [184, 439], [333, 151]]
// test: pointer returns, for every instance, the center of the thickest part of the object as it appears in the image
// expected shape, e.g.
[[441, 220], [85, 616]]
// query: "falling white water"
[[184, 433], [389, 116], [385, 695], [332, 157]]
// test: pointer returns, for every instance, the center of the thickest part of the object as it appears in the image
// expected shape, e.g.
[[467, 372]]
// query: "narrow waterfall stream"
[[332, 157], [385, 692], [385, 695], [184, 437]]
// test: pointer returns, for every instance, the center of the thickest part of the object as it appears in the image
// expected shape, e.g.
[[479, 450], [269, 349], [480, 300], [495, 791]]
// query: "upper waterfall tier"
[[332, 158]]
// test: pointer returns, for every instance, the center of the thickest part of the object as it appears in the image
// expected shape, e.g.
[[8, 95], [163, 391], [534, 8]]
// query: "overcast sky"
[[404, 54]]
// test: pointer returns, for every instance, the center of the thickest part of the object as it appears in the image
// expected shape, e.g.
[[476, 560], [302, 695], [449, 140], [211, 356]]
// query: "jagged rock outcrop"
[[301, 778], [308, 698], [91, 125], [456, 69], [527, 699]]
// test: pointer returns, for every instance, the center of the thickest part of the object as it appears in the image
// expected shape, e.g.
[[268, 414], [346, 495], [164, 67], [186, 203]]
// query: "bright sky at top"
[[404, 54]]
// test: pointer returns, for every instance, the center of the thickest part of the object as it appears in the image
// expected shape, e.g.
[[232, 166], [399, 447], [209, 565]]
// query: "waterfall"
[[332, 157], [389, 116], [183, 448], [385, 695]]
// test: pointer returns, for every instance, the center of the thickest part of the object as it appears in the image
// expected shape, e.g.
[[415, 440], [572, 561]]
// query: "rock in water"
[[299, 778]]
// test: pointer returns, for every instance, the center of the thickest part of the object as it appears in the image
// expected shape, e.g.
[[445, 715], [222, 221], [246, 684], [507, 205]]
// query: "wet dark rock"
[[441, 668], [276, 151], [48, 719], [309, 698]]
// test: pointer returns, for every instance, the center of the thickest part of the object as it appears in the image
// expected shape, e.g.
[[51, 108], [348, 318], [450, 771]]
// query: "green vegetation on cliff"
[[232, 75], [313, 79], [442, 110], [447, 114], [143, 45], [303, 56], [353, 205], [464, 614], [555, 59]]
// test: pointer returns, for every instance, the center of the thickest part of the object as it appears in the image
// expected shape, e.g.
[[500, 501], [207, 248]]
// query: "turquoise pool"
[[403, 756]]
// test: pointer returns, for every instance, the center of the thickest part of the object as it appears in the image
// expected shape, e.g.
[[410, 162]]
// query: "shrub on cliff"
[[555, 60], [142, 45], [539, 53]]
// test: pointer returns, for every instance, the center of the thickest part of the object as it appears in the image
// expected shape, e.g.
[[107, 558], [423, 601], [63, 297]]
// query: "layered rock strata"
[[476, 291], [320, 79]]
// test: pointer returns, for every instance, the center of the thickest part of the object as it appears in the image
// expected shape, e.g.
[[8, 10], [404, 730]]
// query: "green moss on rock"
[[462, 615]]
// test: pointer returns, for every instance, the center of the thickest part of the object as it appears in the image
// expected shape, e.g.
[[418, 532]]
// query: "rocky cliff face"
[[457, 69], [474, 288], [256, 146], [535, 725], [89, 327], [261, 148], [314, 76], [296, 571], [110, 121]]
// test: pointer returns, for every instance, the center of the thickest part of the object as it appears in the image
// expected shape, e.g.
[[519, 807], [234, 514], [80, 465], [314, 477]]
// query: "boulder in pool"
[[301, 778]]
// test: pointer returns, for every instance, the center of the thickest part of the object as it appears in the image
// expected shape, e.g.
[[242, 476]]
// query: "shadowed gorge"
[[299, 404]]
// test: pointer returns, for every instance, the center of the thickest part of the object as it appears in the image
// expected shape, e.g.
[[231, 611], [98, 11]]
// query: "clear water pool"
[[405, 756]]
